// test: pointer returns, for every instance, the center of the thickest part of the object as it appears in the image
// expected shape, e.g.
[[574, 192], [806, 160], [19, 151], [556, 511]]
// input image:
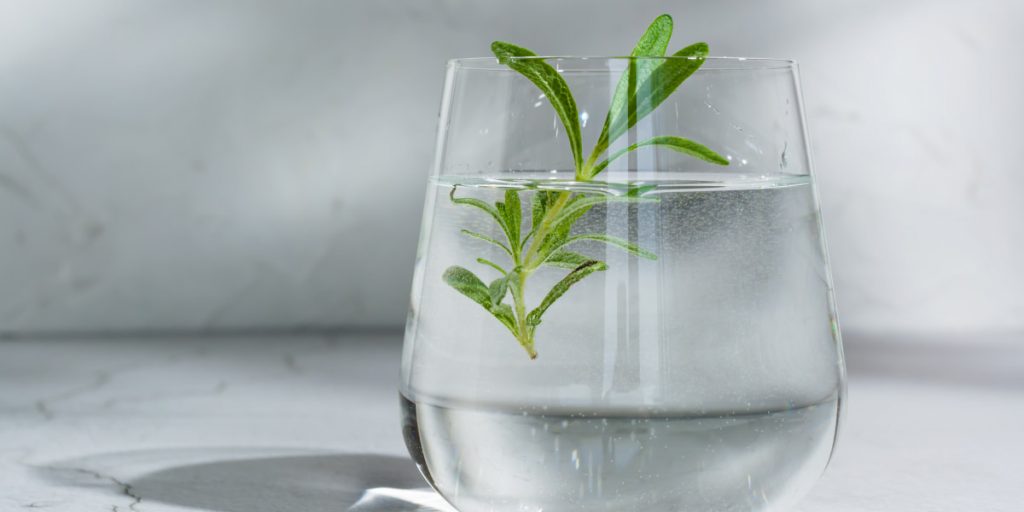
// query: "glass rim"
[[716, 62]]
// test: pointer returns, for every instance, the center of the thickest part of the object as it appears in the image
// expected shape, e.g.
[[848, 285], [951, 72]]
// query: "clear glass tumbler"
[[660, 337]]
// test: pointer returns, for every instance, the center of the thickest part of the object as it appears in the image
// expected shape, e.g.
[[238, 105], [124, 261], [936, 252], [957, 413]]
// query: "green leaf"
[[572, 212], [584, 270], [661, 83], [653, 43], [679, 144], [566, 259], [513, 217], [551, 83], [539, 206], [485, 206], [468, 284], [491, 264], [499, 214], [617, 242], [504, 314], [560, 227], [487, 239], [498, 288]]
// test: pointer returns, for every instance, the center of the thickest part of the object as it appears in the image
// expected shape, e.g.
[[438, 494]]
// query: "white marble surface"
[[311, 423]]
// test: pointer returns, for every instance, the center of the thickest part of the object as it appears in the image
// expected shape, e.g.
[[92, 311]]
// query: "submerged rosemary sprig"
[[644, 85]]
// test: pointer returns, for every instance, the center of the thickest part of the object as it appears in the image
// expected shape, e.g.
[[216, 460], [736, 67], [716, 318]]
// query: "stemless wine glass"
[[679, 350]]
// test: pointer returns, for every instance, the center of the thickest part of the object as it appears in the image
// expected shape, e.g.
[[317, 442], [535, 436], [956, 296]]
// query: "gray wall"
[[188, 164]]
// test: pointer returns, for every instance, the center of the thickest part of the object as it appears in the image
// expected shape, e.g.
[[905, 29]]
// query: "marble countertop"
[[273, 423]]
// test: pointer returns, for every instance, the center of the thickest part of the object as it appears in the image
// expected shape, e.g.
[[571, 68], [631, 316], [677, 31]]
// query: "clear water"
[[708, 379], [532, 460]]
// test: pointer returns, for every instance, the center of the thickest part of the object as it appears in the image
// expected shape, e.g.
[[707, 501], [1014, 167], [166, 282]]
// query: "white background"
[[202, 165]]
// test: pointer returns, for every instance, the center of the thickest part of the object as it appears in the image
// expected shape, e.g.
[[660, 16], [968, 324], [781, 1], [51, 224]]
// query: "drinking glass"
[[697, 363]]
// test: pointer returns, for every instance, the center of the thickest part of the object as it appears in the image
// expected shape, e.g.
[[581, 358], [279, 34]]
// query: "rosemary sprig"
[[644, 85]]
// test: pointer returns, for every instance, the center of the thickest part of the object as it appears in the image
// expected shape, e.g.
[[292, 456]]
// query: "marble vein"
[[123, 488]]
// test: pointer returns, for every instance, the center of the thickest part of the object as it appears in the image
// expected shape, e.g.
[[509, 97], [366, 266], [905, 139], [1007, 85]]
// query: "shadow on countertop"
[[312, 483]]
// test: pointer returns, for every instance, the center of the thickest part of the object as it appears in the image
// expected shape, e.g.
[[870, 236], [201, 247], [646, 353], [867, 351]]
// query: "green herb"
[[644, 85]]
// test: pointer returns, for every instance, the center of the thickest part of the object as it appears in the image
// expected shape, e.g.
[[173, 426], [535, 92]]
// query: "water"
[[707, 379], [527, 460]]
